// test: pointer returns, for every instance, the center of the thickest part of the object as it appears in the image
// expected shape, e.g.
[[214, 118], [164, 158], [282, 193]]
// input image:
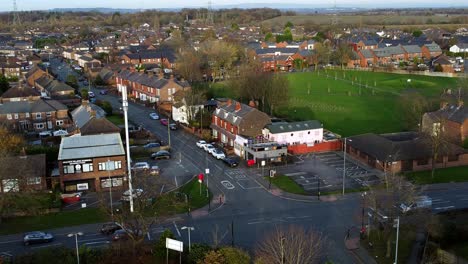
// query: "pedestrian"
[[220, 199]]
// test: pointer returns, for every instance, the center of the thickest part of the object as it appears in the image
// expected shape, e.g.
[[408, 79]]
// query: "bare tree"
[[437, 138], [219, 56], [413, 105], [188, 65], [342, 54], [291, 245]]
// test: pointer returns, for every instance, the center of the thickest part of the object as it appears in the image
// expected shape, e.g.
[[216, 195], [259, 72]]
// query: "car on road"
[[124, 234], [164, 122], [91, 94], [208, 148], [135, 193], [152, 145], [103, 92], [173, 126], [37, 237], [231, 161], [421, 202], [110, 228], [162, 154], [141, 166], [154, 116], [201, 143], [155, 170], [218, 153]]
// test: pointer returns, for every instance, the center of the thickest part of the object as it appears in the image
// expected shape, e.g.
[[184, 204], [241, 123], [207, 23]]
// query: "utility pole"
[[396, 244], [16, 18], [127, 144]]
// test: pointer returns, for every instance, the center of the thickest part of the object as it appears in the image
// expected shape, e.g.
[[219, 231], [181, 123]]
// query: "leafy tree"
[[197, 252], [269, 36], [289, 24], [213, 257], [85, 94], [342, 54], [72, 81], [188, 63], [99, 81], [234, 255], [160, 247], [4, 84], [235, 26], [417, 33], [105, 105]]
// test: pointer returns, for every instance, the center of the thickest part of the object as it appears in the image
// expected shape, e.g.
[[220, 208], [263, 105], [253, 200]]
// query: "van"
[[421, 202]]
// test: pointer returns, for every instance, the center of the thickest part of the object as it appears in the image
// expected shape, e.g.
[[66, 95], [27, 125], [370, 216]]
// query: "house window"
[[10, 185], [422, 162], [68, 169], [59, 122], [38, 116], [49, 114], [27, 115], [118, 164], [39, 126], [87, 167], [34, 180], [16, 116], [9, 117], [102, 166]]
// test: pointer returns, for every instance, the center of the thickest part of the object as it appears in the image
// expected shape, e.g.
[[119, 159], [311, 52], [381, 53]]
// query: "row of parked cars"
[[218, 153], [163, 121]]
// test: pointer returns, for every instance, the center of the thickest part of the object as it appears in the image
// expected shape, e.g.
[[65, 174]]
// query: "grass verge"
[[286, 184], [454, 174], [52, 220], [115, 119], [379, 241], [349, 190]]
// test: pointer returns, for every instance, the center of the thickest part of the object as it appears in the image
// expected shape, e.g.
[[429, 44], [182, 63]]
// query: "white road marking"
[[440, 202], [49, 245], [444, 208], [228, 185], [177, 229], [295, 173], [217, 166], [88, 240], [175, 179], [99, 242]]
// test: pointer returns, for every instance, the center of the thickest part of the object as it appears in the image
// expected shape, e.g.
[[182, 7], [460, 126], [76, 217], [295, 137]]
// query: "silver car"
[[37, 237]]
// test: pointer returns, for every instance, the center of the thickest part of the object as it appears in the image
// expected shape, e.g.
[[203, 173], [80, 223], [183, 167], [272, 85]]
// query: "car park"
[[110, 228], [162, 154], [135, 194], [141, 166], [37, 237], [218, 153], [201, 143], [164, 122], [154, 116], [231, 161]]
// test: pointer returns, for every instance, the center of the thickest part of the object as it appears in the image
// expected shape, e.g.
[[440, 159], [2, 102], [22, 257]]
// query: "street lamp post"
[[127, 144], [396, 244], [110, 166], [76, 244], [344, 163], [189, 228]]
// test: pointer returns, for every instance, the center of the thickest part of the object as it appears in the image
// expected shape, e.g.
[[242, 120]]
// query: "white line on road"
[[95, 239], [295, 173], [99, 242], [176, 228], [50, 245], [175, 179], [217, 166], [444, 208], [440, 202]]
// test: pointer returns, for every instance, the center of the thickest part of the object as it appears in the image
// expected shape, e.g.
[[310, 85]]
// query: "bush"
[[160, 247], [198, 252], [106, 106], [234, 255]]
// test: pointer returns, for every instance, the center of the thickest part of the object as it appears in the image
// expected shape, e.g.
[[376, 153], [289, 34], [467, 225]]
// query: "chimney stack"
[[238, 106], [229, 102], [252, 104]]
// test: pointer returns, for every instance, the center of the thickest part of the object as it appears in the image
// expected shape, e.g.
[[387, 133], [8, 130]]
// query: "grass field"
[[455, 174], [286, 184], [346, 109]]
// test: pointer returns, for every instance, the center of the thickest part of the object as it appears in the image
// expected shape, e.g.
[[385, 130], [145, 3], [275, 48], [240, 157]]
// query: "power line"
[[16, 18]]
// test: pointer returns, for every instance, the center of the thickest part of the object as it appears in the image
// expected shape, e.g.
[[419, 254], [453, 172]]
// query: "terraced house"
[[150, 88]]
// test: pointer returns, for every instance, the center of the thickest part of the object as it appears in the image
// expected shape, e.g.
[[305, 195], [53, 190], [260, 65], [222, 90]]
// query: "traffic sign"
[[200, 177]]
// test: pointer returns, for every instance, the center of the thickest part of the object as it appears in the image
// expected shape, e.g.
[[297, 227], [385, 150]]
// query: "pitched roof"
[[433, 47], [282, 51], [457, 114], [36, 106], [27, 166], [283, 127], [83, 113], [412, 48], [17, 91], [99, 126], [91, 146], [367, 54]]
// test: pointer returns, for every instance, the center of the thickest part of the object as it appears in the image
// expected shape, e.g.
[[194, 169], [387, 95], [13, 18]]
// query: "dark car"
[[162, 154], [173, 126], [231, 161], [103, 92], [124, 234], [110, 228], [37, 237]]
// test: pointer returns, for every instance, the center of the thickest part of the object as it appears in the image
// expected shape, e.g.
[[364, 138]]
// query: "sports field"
[[356, 102]]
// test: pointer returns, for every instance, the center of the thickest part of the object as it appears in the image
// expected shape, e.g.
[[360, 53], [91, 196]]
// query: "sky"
[[24, 5]]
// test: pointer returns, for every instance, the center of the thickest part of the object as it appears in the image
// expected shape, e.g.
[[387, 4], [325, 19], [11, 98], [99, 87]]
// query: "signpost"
[[200, 180], [174, 245]]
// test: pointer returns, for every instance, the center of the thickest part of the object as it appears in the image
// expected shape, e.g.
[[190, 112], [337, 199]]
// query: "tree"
[[322, 54], [4, 84], [99, 81], [219, 56], [342, 54], [213, 257], [417, 33], [234, 255], [106, 106], [269, 37], [84, 94], [413, 105], [292, 245], [437, 138], [197, 252], [289, 24], [188, 63], [72, 81]]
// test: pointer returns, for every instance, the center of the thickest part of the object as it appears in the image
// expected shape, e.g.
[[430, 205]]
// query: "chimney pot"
[[238, 106], [229, 102]]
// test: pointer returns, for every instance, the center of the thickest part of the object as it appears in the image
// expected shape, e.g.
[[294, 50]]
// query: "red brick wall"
[[324, 146]]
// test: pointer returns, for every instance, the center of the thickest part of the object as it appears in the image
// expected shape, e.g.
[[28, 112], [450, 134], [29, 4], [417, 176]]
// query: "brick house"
[[20, 93], [354, 60], [10, 69], [387, 55], [50, 87], [165, 57], [23, 173], [412, 52], [83, 162], [34, 116], [367, 58], [453, 118], [236, 118], [34, 74], [431, 50], [444, 62], [149, 87], [398, 152]]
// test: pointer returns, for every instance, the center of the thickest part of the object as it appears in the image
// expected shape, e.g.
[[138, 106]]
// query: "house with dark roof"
[[34, 116], [303, 132], [444, 63], [164, 56], [85, 112], [452, 118], [149, 87], [406, 151], [20, 93], [412, 52], [367, 58], [431, 50], [236, 118], [96, 126], [53, 88], [23, 173]]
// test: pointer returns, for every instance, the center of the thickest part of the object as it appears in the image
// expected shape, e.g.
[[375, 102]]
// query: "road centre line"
[[50, 245]]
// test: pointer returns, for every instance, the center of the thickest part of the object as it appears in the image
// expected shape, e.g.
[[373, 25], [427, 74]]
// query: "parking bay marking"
[[228, 185]]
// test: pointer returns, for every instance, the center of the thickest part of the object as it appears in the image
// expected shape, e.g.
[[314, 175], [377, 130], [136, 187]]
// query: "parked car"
[[37, 237], [218, 153], [208, 147], [162, 154], [173, 126], [152, 145], [201, 143], [103, 92], [155, 170], [135, 193], [110, 228], [123, 234], [141, 166], [91, 94], [164, 122], [231, 161], [421, 202], [154, 116]]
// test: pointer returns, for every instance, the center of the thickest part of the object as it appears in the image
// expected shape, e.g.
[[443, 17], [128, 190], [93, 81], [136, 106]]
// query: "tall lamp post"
[[189, 228], [344, 163], [76, 244], [127, 144], [110, 166]]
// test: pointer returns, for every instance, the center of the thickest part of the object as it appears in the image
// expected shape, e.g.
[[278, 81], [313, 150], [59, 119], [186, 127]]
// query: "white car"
[[154, 116], [91, 94], [208, 148], [201, 143], [217, 153], [135, 193], [141, 166]]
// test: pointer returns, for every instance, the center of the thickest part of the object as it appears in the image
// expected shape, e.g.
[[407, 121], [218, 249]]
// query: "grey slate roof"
[[80, 147], [412, 48], [15, 92], [457, 114], [388, 51], [81, 115], [31, 106], [149, 80], [283, 51], [433, 47], [367, 54], [282, 127]]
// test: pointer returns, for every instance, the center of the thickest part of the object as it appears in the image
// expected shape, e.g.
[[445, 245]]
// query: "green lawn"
[[455, 174], [116, 119], [379, 245], [286, 184], [52, 220]]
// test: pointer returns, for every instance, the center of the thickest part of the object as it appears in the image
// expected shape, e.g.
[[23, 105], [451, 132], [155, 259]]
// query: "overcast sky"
[[7, 5]]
